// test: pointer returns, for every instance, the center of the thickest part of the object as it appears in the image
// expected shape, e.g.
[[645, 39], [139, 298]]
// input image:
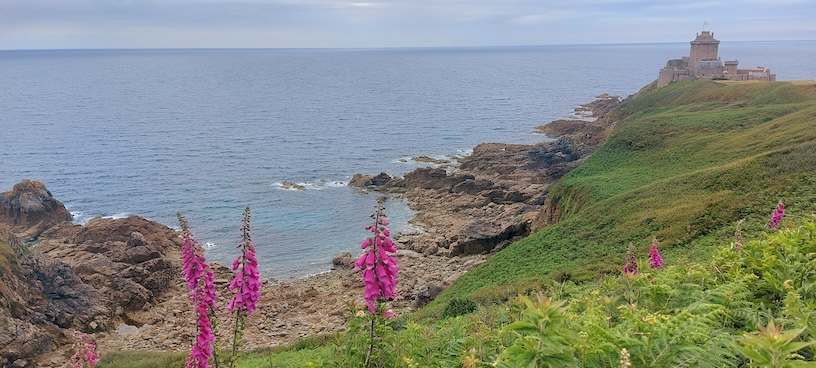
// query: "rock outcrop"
[[493, 196], [29, 209], [130, 261], [73, 277], [41, 301]]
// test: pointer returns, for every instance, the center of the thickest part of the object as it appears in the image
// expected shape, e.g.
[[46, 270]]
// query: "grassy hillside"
[[684, 164]]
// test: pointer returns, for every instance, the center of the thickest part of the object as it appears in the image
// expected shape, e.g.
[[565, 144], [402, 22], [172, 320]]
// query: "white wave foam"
[[412, 160], [336, 184], [306, 186], [464, 153], [81, 218], [209, 245]]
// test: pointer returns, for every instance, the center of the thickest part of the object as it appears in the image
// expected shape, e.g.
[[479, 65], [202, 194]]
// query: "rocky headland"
[[120, 279], [496, 195]]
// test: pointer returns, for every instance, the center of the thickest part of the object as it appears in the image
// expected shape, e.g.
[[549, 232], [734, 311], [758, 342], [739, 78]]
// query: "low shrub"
[[459, 307]]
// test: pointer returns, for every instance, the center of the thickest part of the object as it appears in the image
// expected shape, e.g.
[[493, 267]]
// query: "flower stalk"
[[777, 215], [379, 270], [246, 285], [630, 268], [655, 260], [199, 278], [738, 235]]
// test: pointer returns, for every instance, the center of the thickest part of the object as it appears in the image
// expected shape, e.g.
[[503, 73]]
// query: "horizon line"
[[385, 47]]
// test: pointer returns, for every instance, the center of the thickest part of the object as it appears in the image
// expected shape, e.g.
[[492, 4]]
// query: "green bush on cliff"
[[459, 307]]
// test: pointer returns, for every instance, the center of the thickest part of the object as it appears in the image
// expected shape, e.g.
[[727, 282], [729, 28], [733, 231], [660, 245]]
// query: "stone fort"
[[703, 62]]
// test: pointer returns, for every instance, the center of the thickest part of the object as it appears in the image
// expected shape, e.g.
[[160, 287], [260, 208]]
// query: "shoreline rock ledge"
[[497, 194]]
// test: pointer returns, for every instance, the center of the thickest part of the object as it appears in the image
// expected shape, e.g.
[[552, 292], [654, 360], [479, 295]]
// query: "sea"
[[207, 132]]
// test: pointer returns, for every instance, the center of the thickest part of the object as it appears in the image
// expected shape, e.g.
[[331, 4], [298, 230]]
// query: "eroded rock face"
[[130, 261], [78, 277], [29, 209], [41, 299]]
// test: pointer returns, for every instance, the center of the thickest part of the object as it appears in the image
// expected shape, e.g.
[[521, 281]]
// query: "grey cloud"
[[380, 23]]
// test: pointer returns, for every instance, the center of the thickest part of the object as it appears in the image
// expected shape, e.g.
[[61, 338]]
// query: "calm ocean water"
[[208, 132]]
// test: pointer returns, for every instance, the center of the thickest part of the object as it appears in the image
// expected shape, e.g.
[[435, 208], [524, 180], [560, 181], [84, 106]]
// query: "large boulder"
[[434, 178], [482, 237], [343, 260], [29, 209], [365, 181]]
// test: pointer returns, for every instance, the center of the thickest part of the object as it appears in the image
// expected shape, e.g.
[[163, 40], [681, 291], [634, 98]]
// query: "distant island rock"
[[292, 185]]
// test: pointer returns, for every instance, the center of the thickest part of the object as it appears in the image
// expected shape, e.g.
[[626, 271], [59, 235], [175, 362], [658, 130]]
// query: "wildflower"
[[84, 352], [738, 235], [776, 216], [630, 268], [247, 282], [655, 260], [379, 267], [202, 349], [625, 359], [388, 314], [199, 278]]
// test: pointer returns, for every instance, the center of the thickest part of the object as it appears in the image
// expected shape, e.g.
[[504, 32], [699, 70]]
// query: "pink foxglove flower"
[[201, 351], [247, 282], [630, 268], [379, 267], [84, 352], [655, 260], [777, 215], [389, 314], [199, 278]]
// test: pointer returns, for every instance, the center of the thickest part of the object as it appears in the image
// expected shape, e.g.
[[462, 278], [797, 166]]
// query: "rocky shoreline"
[[129, 268]]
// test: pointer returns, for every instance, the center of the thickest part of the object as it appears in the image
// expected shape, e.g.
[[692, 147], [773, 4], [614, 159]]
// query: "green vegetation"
[[5, 255], [458, 307], [139, 359], [307, 349], [749, 307], [685, 163]]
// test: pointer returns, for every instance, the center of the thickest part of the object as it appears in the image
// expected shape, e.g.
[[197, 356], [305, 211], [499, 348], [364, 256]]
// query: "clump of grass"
[[142, 359]]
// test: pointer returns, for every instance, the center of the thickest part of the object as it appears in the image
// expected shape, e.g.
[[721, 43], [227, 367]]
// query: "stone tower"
[[703, 48]]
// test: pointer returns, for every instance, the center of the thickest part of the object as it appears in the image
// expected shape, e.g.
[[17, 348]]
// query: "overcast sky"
[[59, 24]]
